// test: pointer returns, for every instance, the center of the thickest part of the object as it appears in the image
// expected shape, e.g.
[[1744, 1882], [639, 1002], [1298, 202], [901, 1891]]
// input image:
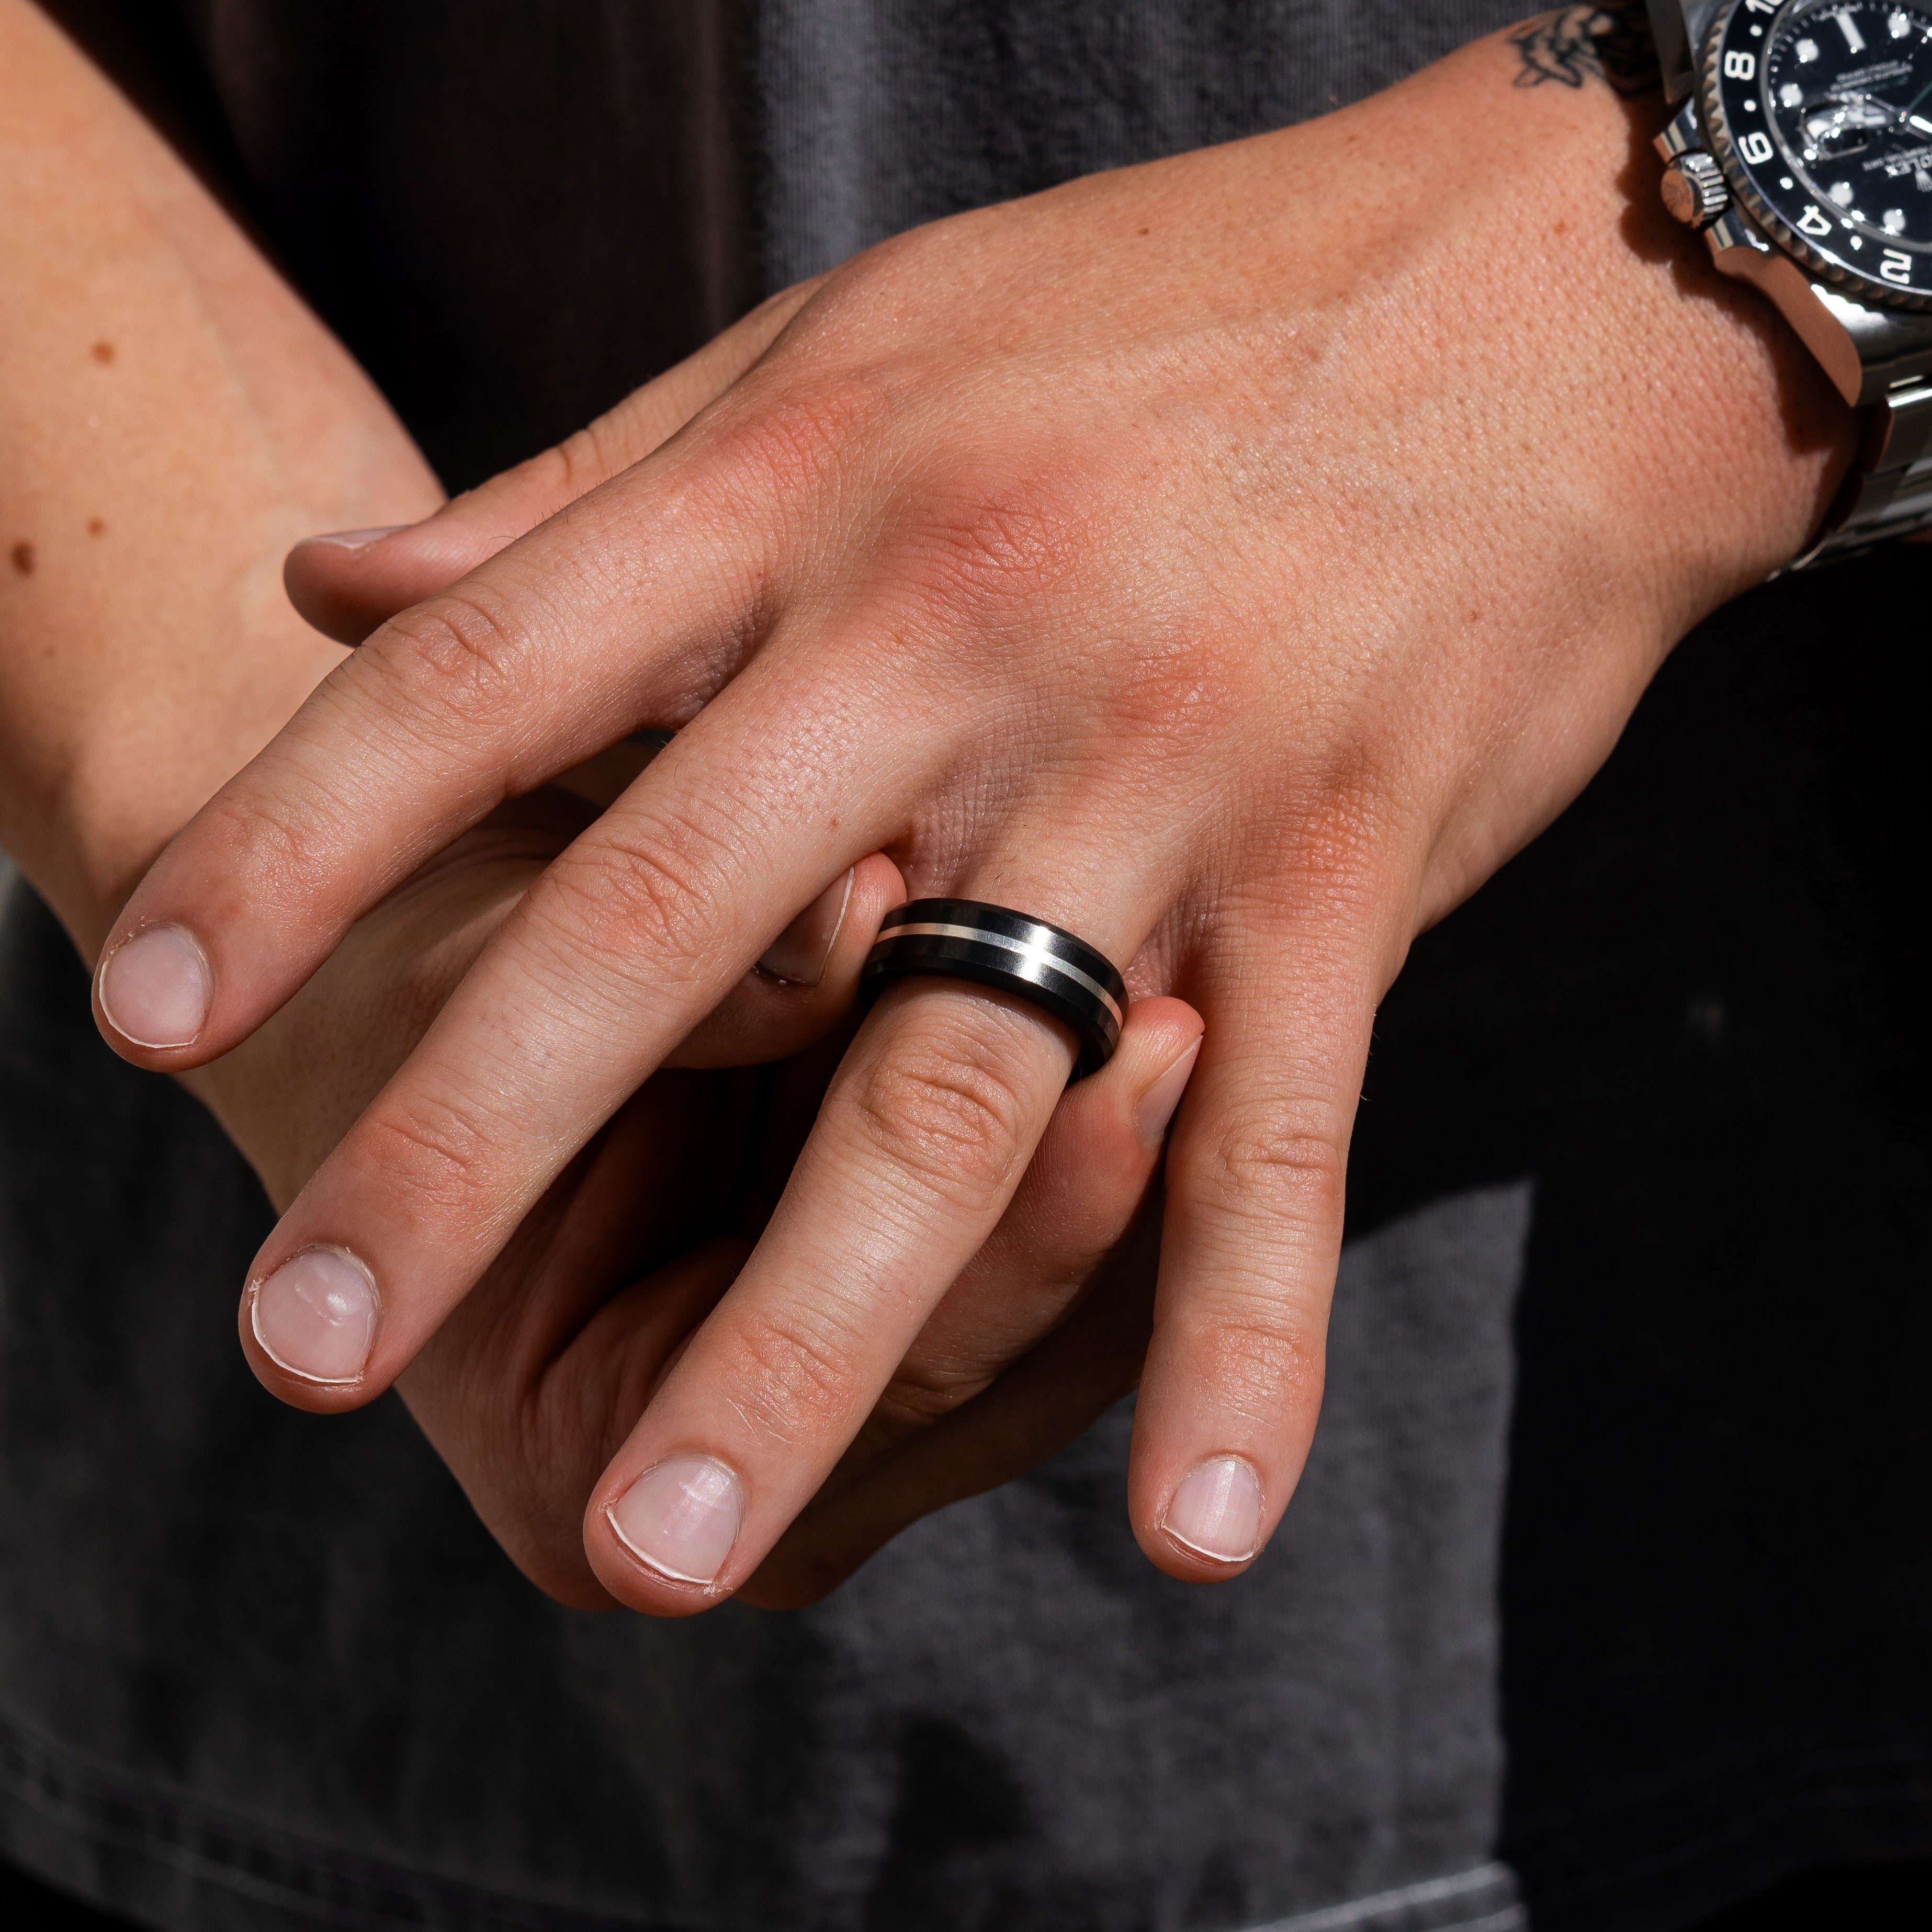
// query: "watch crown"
[[1694, 190]]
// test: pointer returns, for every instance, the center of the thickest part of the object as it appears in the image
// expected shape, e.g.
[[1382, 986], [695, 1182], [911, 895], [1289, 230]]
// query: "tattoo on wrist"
[[1608, 44]]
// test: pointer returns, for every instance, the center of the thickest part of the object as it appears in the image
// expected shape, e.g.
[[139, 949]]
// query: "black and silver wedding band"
[[994, 946]]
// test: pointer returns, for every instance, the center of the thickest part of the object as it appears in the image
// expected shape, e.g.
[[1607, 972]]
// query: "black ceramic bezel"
[[1735, 106]]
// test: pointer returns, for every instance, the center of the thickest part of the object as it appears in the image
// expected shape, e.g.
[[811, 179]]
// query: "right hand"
[[1238, 594], [172, 418]]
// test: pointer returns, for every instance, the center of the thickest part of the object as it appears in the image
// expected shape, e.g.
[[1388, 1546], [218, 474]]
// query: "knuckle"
[[594, 453], [908, 258], [640, 895], [989, 540], [786, 444], [930, 1384], [286, 839], [526, 1477], [435, 1152], [465, 664], [945, 1104], [1327, 869], [629, 897], [794, 1372], [1342, 837], [559, 474], [1260, 1351], [1290, 1168], [910, 1405]]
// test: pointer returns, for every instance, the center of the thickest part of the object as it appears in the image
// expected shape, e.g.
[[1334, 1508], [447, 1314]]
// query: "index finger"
[[527, 667]]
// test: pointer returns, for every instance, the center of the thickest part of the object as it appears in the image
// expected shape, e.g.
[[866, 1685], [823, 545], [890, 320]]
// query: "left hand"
[[529, 1389], [1232, 559]]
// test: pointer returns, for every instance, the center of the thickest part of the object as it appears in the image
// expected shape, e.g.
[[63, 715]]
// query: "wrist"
[[173, 419], [152, 661], [102, 772], [1739, 440], [1595, 367]]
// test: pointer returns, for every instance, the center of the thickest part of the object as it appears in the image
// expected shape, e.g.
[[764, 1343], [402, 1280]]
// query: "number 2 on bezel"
[[1895, 265]]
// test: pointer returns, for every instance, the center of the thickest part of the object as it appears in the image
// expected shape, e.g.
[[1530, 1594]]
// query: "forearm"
[[171, 418]]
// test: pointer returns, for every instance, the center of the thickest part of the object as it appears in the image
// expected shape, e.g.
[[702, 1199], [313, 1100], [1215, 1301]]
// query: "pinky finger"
[[349, 582], [1252, 1238]]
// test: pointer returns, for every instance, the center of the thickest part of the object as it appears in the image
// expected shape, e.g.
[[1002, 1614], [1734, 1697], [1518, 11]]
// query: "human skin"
[[1233, 560], [171, 418]]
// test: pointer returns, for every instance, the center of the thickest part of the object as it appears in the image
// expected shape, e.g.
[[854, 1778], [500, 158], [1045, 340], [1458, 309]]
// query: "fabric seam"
[[1424, 1892]]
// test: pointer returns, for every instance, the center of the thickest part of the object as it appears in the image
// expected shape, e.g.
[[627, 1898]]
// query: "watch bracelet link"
[[1888, 492]]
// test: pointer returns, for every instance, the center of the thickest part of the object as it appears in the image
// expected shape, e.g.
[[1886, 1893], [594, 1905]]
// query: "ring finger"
[[923, 1139]]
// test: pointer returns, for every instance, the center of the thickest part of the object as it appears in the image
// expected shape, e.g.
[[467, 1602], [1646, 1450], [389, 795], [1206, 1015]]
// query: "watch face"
[[1821, 113]]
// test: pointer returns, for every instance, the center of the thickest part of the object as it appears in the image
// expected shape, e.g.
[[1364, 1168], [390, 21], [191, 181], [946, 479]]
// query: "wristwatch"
[[1803, 151]]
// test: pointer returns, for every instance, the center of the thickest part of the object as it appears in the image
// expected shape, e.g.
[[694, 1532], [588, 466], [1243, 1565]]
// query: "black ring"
[[1048, 967]]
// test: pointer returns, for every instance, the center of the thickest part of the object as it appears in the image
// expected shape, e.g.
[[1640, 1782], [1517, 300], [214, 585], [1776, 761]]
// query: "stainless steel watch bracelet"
[[1888, 493]]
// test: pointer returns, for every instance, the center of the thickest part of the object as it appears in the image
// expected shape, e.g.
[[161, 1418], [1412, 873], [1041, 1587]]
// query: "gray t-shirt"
[[1603, 1599]]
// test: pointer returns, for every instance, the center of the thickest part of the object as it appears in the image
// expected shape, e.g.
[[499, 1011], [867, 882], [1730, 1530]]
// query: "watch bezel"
[[1712, 87]]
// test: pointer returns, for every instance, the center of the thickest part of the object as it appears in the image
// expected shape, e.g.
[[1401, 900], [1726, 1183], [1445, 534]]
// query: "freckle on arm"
[[95, 525], [103, 352], [22, 554]]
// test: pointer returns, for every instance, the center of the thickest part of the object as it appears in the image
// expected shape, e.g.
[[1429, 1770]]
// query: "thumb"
[[348, 582]]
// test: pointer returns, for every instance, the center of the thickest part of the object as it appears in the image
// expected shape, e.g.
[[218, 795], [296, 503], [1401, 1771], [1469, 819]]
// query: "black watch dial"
[[1821, 114]]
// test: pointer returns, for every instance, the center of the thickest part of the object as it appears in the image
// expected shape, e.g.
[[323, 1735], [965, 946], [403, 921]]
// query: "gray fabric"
[[1007, 1718], [1634, 1115], [877, 114]]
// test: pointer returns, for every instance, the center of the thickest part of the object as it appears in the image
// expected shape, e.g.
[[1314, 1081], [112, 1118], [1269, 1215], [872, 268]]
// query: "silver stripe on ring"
[[1034, 951]]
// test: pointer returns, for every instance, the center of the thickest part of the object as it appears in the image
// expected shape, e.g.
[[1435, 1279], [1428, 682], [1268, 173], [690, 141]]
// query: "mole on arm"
[[103, 351], [95, 525], [23, 558]]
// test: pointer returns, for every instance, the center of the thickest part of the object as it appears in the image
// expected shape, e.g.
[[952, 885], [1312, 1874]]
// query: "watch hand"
[[1919, 122]]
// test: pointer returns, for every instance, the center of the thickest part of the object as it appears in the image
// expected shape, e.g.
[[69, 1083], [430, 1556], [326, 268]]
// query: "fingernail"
[[1158, 1103], [315, 1316], [155, 987], [798, 955], [681, 1518], [357, 539], [1217, 1510]]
